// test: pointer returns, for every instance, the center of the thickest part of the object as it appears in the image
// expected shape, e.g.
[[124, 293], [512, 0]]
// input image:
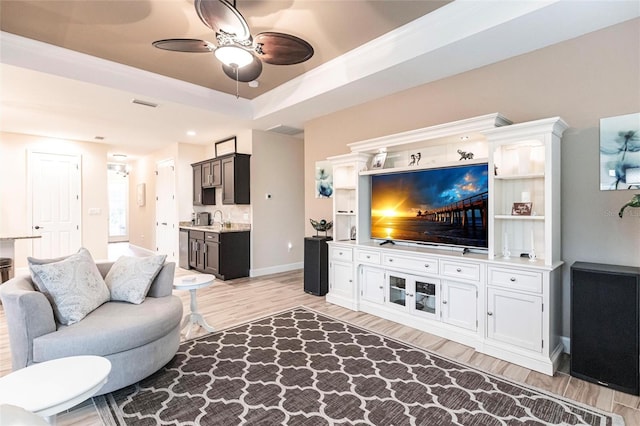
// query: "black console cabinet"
[[316, 265], [605, 325]]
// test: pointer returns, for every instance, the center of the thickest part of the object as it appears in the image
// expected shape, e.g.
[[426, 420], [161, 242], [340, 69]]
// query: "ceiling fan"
[[240, 53]]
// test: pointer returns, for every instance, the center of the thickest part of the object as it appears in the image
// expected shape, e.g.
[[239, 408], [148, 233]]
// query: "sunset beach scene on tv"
[[446, 206]]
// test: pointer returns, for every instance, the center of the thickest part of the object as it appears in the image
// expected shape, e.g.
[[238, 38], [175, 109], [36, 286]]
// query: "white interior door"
[[55, 203], [166, 222]]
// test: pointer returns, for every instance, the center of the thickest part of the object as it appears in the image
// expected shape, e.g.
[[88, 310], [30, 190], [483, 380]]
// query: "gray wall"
[[580, 80]]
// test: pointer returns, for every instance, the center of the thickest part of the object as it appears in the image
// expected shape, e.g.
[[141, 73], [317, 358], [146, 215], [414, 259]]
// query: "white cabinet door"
[[396, 290], [341, 279], [459, 304], [416, 295], [423, 297], [372, 284], [514, 318]]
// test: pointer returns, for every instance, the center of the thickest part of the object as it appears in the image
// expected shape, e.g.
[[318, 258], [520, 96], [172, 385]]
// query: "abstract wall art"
[[620, 152]]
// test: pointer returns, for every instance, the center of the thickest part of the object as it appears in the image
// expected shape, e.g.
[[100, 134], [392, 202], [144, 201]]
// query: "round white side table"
[[192, 283], [50, 387]]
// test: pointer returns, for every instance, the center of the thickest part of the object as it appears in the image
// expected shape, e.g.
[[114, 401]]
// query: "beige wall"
[[581, 80], [13, 189], [277, 169]]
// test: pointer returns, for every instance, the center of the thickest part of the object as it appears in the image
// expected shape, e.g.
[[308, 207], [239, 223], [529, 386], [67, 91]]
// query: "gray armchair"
[[137, 339]]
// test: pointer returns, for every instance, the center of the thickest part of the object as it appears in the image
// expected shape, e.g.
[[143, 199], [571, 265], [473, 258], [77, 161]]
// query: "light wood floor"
[[227, 303]]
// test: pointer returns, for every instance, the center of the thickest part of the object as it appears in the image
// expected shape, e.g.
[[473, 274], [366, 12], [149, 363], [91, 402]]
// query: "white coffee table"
[[192, 283], [50, 387]]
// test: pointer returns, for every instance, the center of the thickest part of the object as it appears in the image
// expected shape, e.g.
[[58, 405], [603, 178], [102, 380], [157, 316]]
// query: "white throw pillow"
[[130, 278], [73, 285]]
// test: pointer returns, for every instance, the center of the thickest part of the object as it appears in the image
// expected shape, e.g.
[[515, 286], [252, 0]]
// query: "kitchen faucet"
[[213, 221]]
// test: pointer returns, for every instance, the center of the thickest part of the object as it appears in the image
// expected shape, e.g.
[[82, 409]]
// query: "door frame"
[[119, 238], [168, 162]]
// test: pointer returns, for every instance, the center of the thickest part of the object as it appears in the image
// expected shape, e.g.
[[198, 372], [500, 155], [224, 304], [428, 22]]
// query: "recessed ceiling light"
[[191, 132], [254, 83]]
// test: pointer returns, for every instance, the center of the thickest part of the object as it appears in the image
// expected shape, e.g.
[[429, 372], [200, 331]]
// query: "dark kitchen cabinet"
[[223, 254], [201, 196], [197, 184], [235, 179], [196, 250], [229, 174], [211, 174], [233, 255], [212, 253]]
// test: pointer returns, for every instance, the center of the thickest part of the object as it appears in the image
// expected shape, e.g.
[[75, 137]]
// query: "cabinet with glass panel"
[[417, 295]]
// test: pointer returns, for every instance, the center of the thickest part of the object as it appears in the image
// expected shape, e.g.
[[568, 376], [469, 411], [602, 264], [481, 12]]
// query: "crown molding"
[[458, 37]]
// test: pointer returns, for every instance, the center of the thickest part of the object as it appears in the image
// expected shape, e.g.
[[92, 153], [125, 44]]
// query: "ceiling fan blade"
[[185, 45], [222, 17], [282, 49], [247, 73]]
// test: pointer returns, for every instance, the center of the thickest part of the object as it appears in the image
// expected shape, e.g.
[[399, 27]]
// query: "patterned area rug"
[[304, 368]]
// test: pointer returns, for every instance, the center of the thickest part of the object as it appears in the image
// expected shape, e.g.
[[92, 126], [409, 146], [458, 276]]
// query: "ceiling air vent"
[[285, 130], [145, 103]]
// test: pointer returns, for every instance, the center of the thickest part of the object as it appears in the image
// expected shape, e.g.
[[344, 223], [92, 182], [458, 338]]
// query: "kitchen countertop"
[[235, 227], [19, 237]]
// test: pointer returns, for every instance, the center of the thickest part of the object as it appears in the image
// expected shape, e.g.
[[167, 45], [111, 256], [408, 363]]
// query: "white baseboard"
[[275, 269], [566, 344], [146, 250]]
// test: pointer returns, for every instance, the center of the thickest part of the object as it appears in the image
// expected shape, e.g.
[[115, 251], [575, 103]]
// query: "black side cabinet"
[[605, 325], [316, 265]]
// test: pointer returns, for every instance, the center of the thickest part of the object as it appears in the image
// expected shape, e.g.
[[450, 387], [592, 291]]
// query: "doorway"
[[118, 192], [54, 203]]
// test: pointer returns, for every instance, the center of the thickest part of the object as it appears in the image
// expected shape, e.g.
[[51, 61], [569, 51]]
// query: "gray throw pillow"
[[73, 285], [130, 278]]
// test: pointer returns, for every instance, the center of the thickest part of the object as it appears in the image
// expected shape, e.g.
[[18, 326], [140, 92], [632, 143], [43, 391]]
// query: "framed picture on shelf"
[[378, 161], [414, 159], [521, 209]]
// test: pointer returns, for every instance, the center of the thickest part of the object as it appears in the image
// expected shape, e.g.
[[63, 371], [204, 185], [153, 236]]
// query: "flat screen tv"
[[442, 206]]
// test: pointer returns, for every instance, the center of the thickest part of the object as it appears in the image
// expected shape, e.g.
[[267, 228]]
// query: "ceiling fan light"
[[233, 56]]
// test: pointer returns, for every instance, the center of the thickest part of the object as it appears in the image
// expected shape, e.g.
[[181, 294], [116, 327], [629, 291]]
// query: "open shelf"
[[514, 177], [513, 217]]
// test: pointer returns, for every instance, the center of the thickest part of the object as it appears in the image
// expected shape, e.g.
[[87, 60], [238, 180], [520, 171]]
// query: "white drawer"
[[467, 271], [412, 263], [366, 256], [341, 253], [516, 279]]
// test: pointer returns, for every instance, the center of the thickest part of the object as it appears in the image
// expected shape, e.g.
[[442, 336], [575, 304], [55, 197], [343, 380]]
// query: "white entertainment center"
[[505, 300]]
